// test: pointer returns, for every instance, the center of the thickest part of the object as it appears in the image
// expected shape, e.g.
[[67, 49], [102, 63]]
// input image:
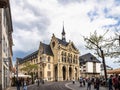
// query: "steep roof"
[[26, 58], [47, 49], [88, 58], [64, 43]]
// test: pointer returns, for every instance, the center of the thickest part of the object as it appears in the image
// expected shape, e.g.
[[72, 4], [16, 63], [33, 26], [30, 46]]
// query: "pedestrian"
[[38, 82], [97, 83], [25, 85], [81, 80], [18, 84], [89, 84], [84, 82], [115, 82], [43, 81], [110, 84], [73, 81]]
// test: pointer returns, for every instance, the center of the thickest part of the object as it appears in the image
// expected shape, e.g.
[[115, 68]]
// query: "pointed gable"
[[46, 49], [64, 43], [28, 57]]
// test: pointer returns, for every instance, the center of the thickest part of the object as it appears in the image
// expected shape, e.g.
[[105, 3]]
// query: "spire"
[[63, 33]]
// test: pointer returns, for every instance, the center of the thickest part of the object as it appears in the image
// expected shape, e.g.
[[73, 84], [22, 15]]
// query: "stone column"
[[60, 73]]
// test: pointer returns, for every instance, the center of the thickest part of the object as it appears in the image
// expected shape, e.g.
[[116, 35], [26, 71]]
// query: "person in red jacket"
[[115, 82]]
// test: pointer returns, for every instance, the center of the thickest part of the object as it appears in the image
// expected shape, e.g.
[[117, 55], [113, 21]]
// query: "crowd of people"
[[90, 81], [112, 82], [22, 82]]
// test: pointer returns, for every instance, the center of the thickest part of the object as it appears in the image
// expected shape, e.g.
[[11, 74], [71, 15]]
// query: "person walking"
[[97, 83], [18, 84], [81, 81], [89, 84], [38, 82], [110, 84], [84, 82], [73, 81], [25, 85], [115, 82]]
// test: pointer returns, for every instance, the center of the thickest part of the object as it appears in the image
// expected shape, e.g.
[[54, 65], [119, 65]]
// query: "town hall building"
[[57, 61]]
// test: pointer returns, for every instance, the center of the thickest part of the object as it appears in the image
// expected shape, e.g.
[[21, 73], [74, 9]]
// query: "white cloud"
[[26, 40], [36, 20]]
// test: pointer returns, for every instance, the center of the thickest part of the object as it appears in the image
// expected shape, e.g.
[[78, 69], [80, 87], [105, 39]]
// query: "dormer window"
[[91, 58]]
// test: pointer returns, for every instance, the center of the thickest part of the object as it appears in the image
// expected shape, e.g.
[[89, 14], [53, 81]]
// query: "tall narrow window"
[[48, 59]]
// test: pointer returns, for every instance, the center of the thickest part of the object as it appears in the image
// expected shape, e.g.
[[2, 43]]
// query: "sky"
[[36, 20]]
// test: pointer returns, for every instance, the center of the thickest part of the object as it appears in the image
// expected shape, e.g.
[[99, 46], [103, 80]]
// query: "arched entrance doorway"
[[56, 73], [64, 72], [70, 73]]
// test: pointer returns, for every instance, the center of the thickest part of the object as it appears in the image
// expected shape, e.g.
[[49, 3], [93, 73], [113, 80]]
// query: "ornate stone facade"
[[58, 61]]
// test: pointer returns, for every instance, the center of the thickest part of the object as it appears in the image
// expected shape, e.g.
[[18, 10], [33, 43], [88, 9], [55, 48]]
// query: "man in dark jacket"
[[110, 82], [97, 82]]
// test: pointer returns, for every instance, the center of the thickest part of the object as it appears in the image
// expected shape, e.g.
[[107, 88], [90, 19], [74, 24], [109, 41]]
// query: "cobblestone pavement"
[[46, 86], [76, 86], [50, 86], [57, 86]]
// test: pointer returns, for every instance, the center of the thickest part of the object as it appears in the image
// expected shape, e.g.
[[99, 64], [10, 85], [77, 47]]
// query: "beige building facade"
[[57, 61], [6, 44]]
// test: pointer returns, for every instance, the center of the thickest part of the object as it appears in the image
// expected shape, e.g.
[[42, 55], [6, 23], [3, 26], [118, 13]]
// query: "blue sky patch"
[[92, 15]]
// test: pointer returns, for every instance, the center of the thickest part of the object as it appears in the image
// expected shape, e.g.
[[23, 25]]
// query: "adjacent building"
[[107, 69], [6, 43], [57, 61], [89, 66]]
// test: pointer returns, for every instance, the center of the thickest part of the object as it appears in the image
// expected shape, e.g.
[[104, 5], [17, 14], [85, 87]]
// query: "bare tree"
[[103, 47]]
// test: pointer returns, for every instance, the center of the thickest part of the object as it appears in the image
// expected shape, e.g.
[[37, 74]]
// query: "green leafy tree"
[[28, 67]]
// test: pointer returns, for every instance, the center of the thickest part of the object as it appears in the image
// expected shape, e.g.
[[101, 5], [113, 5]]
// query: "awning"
[[20, 75], [114, 71]]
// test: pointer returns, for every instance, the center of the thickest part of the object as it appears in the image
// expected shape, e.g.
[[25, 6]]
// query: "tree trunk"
[[104, 65]]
